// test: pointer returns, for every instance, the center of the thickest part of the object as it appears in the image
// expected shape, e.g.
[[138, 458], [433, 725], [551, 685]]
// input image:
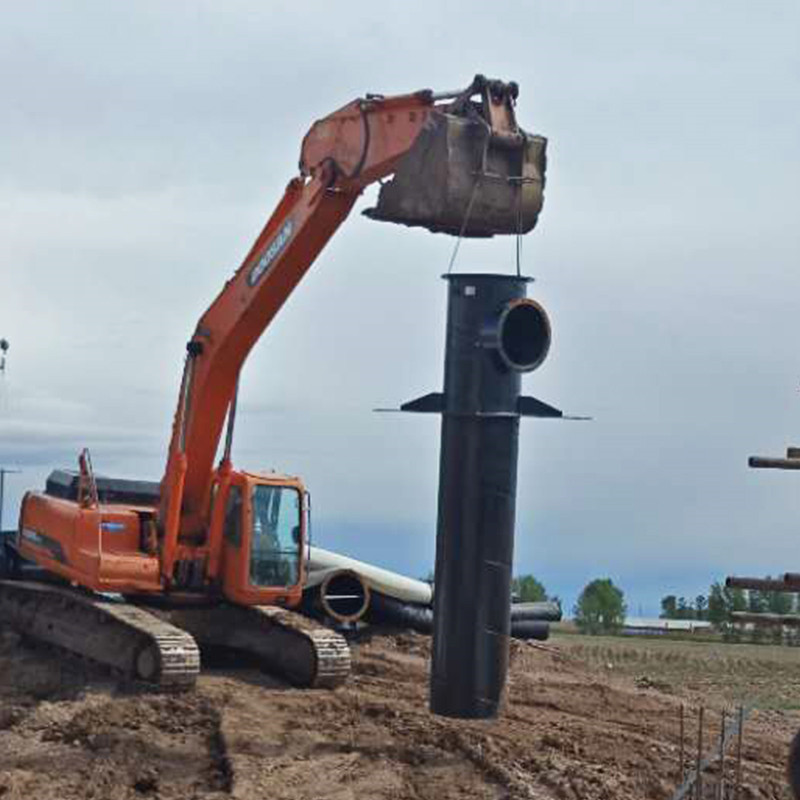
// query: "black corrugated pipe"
[[530, 629], [419, 618], [494, 333], [544, 611], [384, 609]]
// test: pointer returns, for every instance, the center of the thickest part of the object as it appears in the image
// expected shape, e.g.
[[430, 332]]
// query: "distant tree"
[[685, 610], [738, 603], [722, 601], [738, 600], [719, 606], [772, 603], [600, 607], [757, 603], [700, 607], [527, 589], [669, 607]]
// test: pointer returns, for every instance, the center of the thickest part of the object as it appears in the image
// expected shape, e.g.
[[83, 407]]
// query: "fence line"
[[694, 780]]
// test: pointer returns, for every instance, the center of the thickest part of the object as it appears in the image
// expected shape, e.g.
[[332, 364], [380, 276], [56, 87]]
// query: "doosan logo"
[[271, 253]]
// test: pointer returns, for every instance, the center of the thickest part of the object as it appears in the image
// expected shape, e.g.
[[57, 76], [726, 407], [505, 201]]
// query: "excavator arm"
[[460, 165]]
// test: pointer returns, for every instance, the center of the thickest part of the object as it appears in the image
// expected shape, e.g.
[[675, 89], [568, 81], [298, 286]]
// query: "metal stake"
[[721, 785], [739, 755], [699, 782], [682, 761]]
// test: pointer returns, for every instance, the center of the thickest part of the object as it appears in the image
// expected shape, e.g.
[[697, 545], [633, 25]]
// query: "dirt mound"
[[571, 728]]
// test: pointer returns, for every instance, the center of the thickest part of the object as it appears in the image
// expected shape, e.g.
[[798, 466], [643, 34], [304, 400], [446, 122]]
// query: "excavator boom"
[[460, 165]]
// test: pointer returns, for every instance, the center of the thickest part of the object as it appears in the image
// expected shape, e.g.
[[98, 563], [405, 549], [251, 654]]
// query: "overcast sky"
[[143, 145]]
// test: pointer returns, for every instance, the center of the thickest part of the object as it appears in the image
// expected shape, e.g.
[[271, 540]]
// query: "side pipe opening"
[[523, 335]]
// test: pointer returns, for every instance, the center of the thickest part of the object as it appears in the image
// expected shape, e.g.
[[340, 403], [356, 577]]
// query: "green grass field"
[[766, 676]]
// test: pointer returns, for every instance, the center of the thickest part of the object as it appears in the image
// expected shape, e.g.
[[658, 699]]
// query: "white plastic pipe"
[[322, 562]]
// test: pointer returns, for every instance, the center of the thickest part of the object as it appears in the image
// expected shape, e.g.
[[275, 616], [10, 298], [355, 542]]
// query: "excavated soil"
[[570, 729]]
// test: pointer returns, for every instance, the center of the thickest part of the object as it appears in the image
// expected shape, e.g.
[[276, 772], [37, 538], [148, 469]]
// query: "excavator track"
[[287, 644], [128, 640]]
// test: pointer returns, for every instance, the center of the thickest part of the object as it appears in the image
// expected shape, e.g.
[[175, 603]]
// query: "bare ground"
[[584, 719]]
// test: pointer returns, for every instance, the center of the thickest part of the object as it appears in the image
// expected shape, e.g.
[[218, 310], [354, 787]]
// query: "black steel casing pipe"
[[494, 333]]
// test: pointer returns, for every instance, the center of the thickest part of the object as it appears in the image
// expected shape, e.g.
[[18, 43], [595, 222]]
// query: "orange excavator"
[[141, 573]]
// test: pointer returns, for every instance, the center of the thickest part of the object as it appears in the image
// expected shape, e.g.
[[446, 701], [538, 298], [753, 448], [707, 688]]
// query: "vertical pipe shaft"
[[490, 339], [474, 554]]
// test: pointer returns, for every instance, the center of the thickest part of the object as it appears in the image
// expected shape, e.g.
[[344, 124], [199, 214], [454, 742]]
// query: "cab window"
[[275, 550]]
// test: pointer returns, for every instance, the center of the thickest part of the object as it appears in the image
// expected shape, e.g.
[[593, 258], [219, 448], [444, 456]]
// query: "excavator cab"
[[263, 534]]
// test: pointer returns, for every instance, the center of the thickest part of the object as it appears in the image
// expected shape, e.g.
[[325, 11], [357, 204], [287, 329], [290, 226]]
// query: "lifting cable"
[[519, 226], [478, 179], [464, 223], [519, 180]]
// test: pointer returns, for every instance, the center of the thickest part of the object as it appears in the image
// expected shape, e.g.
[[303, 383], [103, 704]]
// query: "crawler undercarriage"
[[161, 647]]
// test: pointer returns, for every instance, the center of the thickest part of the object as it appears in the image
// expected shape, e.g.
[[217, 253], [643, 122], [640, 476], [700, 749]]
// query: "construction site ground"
[[585, 717]]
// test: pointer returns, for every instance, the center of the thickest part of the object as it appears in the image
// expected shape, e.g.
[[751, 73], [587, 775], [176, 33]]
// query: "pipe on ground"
[[381, 580], [388, 610]]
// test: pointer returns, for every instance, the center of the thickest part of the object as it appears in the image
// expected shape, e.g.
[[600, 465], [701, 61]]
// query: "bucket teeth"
[[458, 179]]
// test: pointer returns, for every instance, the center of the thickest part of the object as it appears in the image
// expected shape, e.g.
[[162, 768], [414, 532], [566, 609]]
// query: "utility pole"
[[3, 472]]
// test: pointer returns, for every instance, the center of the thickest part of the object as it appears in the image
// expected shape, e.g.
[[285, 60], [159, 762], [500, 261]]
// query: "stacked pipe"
[[792, 460], [528, 620], [347, 590], [790, 581]]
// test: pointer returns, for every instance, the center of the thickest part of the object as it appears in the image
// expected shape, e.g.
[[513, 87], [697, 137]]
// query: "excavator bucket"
[[461, 178]]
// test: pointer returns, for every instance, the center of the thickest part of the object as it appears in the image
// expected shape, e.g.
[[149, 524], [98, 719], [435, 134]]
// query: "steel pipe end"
[[523, 335]]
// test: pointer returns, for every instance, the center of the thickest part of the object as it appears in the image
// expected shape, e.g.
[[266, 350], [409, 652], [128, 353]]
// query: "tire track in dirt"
[[568, 730]]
